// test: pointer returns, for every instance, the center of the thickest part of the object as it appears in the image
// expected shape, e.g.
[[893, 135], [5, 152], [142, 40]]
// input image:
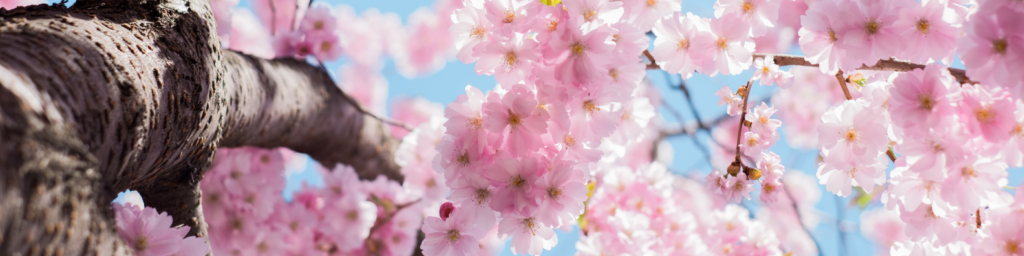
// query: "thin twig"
[[839, 226], [743, 116], [799, 219], [842, 83], [359, 107], [882, 65], [653, 64]]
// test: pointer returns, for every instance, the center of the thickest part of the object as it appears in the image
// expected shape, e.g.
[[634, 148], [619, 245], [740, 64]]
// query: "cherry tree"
[[201, 107]]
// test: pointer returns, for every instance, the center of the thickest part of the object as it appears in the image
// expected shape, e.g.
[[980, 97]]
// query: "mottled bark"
[[134, 94]]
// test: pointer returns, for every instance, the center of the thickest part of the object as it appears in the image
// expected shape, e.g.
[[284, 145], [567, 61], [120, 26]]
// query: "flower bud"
[[446, 210], [753, 174], [734, 169]]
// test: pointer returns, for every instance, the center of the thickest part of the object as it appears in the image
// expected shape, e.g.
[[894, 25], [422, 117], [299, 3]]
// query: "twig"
[[839, 226], [882, 65], [846, 91], [743, 116], [799, 219], [387, 217], [653, 64], [359, 107], [842, 83]]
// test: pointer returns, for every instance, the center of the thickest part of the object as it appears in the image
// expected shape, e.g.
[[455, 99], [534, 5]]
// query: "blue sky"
[[444, 86]]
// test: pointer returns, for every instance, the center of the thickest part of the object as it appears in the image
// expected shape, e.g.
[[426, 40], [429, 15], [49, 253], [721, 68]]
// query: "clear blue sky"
[[444, 86]]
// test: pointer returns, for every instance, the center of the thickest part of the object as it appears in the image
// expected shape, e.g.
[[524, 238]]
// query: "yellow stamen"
[[589, 15], [872, 27], [509, 16], [478, 32], [577, 49], [554, 192], [922, 26], [518, 182], [683, 44], [141, 244], [569, 140], [926, 102], [999, 46], [453, 235], [590, 107]]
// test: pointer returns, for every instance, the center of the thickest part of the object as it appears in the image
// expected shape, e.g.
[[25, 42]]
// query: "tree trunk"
[[111, 95]]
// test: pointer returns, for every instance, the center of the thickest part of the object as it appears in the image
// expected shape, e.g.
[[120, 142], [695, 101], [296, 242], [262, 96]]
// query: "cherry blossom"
[[455, 235], [768, 73], [760, 14], [682, 43], [733, 47]]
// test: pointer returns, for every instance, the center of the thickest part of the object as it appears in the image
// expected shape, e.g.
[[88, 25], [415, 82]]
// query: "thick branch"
[[288, 103], [119, 94]]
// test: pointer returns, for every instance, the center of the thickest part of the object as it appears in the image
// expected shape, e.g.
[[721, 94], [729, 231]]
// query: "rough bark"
[[137, 94]]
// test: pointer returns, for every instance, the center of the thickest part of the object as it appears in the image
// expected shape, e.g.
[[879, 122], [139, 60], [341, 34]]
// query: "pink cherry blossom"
[[760, 14], [871, 34], [529, 236], [514, 180], [508, 59], [974, 182], [578, 55], [923, 98], [852, 129], [992, 44], [149, 233], [737, 187], [645, 14], [768, 73], [509, 16], [318, 20], [770, 166], [770, 190], [470, 29], [593, 115], [586, 11], [733, 102], [820, 36], [516, 116], [761, 122], [988, 112], [839, 173], [681, 44], [455, 235], [1013, 153], [352, 225], [931, 30], [561, 194], [732, 47]]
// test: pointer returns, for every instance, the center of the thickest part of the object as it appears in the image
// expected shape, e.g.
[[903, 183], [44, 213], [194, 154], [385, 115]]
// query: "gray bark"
[[109, 95]]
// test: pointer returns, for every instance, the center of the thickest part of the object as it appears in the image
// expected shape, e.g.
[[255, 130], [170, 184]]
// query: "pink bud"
[[446, 210]]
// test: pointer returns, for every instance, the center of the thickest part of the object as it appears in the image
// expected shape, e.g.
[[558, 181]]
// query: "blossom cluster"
[[647, 205], [521, 154], [149, 233], [955, 142], [247, 214]]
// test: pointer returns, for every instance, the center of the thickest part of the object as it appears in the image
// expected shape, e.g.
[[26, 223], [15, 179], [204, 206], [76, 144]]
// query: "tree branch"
[[739, 130], [121, 94], [881, 65]]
